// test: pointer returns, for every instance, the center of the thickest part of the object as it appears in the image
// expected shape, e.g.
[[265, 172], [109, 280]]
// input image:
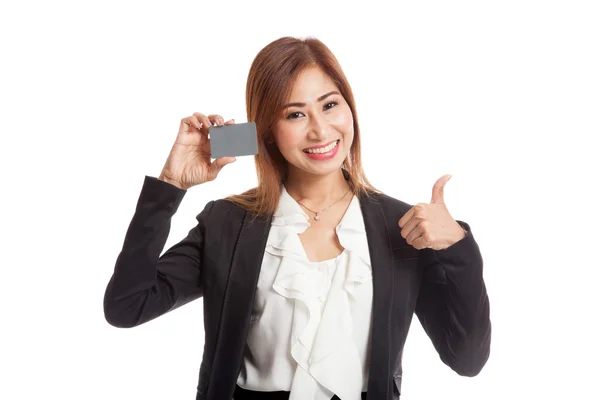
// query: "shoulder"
[[221, 211], [391, 207]]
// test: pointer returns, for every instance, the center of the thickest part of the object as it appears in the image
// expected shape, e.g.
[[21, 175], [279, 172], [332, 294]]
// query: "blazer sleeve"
[[145, 286], [453, 305]]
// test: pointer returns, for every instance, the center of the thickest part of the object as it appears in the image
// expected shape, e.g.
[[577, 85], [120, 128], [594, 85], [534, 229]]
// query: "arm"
[[453, 305], [145, 286]]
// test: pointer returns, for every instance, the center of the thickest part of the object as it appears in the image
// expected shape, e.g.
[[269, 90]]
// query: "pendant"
[[317, 217]]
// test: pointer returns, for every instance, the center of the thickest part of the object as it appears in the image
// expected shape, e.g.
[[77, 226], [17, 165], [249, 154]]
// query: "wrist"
[[461, 233], [173, 182], [457, 235]]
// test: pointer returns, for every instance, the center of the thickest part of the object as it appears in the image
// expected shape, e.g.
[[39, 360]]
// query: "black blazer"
[[220, 260]]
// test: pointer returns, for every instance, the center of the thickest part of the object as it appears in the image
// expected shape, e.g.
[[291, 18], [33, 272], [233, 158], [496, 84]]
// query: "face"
[[315, 129]]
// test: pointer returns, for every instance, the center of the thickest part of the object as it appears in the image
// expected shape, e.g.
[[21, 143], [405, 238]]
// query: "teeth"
[[323, 149]]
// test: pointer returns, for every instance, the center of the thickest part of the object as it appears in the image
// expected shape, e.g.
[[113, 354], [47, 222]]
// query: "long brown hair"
[[269, 86]]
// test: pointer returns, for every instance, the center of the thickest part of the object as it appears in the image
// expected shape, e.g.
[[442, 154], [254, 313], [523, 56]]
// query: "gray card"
[[233, 140]]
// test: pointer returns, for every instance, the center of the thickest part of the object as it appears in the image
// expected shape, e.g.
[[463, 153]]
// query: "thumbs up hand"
[[430, 225]]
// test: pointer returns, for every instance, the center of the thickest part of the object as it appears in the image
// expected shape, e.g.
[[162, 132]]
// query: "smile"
[[321, 150]]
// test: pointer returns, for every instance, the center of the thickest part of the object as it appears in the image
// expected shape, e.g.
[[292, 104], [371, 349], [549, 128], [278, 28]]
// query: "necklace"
[[317, 217]]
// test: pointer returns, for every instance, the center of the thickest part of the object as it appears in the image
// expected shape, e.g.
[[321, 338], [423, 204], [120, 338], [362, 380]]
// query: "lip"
[[323, 156]]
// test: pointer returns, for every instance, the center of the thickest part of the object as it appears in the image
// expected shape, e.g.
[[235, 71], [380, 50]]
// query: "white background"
[[504, 95]]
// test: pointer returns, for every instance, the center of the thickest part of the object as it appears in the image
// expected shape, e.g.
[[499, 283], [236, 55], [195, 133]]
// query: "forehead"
[[310, 84]]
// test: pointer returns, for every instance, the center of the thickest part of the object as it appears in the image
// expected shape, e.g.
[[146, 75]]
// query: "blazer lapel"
[[237, 305], [382, 268]]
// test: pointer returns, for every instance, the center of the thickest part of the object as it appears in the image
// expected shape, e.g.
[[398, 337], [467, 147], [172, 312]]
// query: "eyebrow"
[[326, 95]]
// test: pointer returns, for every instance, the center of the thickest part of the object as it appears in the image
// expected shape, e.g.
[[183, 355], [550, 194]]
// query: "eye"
[[331, 104], [293, 115]]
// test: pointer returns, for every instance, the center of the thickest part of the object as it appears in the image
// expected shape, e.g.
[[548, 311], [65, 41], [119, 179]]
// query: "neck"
[[316, 190]]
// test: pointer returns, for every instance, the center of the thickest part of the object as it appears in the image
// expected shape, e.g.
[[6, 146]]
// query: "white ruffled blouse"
[[311, 321]]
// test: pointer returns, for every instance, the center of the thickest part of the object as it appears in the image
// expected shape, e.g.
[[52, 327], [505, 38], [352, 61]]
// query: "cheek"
[[344, 122], [287, 136]]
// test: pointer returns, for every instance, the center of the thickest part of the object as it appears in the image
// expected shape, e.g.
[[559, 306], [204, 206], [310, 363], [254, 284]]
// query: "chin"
[[326, 171], [326, 168]]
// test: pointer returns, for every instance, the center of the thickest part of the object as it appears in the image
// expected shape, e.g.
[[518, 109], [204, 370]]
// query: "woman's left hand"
[[430, 225]]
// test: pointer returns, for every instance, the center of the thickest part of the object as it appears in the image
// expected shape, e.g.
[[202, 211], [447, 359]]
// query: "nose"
[[319, 128]]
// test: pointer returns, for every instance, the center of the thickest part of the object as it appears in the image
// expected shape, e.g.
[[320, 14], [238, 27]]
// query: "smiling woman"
[[309, 280], [302, 102]]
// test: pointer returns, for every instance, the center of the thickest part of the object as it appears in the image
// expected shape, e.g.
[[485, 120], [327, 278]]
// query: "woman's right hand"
[[189, 161]]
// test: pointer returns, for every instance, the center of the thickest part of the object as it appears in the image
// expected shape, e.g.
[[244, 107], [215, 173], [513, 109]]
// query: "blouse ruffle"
[[322, 340]]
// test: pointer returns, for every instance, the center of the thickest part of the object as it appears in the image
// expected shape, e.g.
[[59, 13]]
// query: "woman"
[[311, 279]]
